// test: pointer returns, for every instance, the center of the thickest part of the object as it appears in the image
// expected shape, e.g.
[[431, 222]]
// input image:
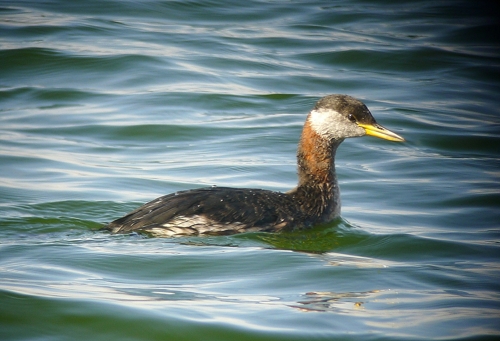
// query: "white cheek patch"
[[331, 125], [323, 122]]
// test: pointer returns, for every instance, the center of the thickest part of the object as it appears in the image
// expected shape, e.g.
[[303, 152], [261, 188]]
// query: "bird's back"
[[211, 210]]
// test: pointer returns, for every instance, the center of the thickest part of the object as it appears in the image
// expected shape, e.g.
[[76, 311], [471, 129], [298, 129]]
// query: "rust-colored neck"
[[315, 157], [317, 193]]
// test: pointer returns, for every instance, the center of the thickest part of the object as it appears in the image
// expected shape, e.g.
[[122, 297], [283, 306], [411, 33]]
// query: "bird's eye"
[[351, 118]]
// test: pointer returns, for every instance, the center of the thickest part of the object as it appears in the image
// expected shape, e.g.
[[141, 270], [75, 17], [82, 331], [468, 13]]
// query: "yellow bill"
[[378, 131]]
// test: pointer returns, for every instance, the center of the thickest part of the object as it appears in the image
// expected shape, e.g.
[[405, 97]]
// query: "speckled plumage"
[[223, 210]]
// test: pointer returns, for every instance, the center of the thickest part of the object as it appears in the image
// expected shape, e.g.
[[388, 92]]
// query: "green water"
[[105, 105]]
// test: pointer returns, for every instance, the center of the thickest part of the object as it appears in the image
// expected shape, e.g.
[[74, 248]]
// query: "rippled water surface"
[[105, 105]]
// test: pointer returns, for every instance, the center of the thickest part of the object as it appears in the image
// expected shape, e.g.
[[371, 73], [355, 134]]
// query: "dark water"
[[105, 105]]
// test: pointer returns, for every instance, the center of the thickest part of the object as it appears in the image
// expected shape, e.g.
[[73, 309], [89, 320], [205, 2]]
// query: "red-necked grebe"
[[223, 210]]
